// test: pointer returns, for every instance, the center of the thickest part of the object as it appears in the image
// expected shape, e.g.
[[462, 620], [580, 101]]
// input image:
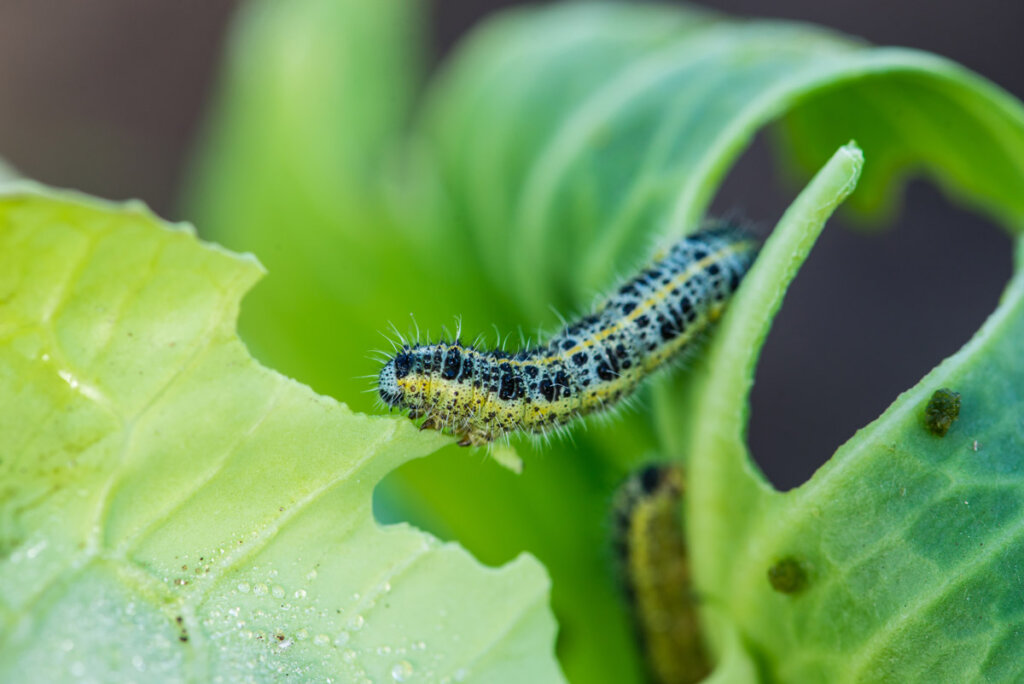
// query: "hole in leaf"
[[426, 492]]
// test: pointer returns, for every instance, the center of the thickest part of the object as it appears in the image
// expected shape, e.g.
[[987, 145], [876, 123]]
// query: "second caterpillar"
[[480, 395]]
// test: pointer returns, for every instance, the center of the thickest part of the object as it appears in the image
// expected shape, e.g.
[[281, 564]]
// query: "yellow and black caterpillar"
[[654, 568], [591, 364]]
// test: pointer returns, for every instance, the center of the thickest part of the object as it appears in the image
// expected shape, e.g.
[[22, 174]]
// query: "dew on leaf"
[[35, 550], [401, 671]]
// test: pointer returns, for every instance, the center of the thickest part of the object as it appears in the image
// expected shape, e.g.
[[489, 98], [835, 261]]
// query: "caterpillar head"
[[389, 384]]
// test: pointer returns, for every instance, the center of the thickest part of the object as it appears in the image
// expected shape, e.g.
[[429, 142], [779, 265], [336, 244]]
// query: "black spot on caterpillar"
[[649, 543], [942, 409], [590, 365]]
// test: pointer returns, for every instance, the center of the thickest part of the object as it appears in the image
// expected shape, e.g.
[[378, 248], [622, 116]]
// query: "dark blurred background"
[[106, 96]]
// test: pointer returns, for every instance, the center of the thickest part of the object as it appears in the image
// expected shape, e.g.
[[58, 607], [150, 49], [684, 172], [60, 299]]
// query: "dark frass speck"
[[788, 576], [942, 409]]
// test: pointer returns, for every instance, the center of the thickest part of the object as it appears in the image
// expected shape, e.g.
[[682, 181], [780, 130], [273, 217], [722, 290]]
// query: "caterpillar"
[[480, 395], [654, 569]]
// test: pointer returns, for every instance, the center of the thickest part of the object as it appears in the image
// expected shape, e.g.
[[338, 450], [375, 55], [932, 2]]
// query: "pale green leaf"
[[170, 510]]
